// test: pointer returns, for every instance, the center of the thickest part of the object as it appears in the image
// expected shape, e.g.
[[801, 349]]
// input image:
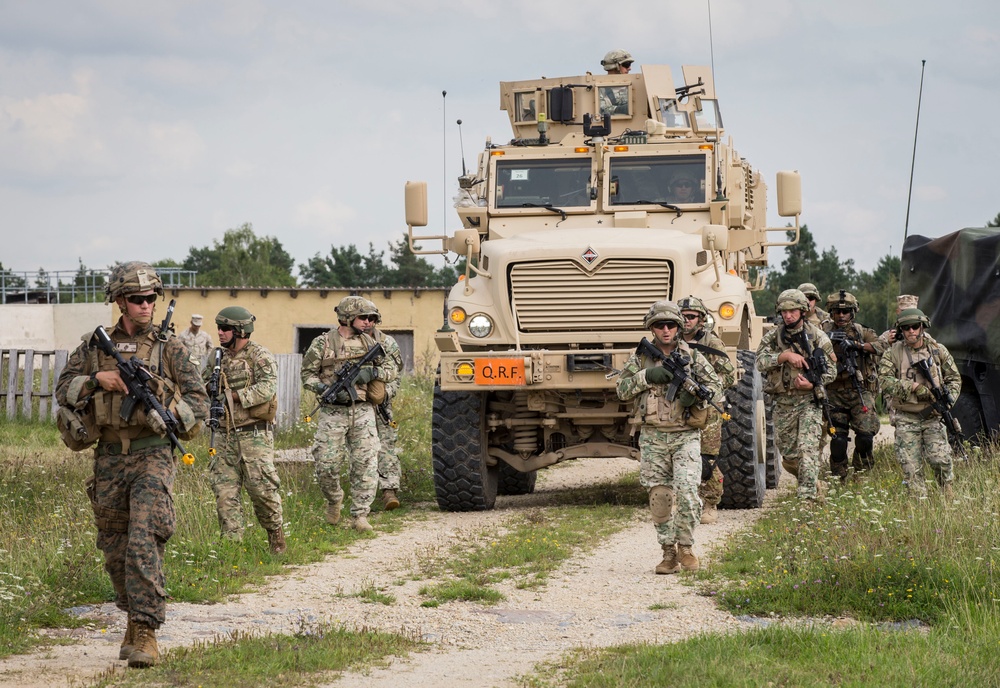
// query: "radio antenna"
[[461, 145], [444, 162], [711, 43], [913, 160]]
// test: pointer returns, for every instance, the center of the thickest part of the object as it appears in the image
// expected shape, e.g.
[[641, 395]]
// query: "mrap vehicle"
[[616, 191]]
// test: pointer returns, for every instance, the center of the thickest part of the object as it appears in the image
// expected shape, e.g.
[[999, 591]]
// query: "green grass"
[[48, 561], [918, 579], [308, 657]]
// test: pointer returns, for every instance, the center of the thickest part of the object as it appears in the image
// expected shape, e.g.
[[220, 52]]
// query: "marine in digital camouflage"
[[920, 433], [798, 420], [245, 458], [131, 490]]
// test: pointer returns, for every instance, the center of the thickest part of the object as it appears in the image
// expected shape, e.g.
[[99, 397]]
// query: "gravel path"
[[598, 599]]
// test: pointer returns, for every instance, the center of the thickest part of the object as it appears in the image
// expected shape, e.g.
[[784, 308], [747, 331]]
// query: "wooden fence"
[[29, 385]]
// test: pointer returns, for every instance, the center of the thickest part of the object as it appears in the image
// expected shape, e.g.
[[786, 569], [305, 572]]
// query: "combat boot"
[[333, 511], [709, 515], [948, 493], [128, 642], [669, 563], [361, 524], [276, 540], [389, 500], [146, 653], [686, 557]]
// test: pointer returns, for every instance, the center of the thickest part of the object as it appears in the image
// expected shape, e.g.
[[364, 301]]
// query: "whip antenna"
[[444, 162], [461, 146], [913, 160]]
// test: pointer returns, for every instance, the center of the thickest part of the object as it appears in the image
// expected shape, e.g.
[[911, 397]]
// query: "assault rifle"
[[943, 403], [814, 371], [216, 411], [676, 364], [385, 410], [847, 360], [136, 377], [346, 377]]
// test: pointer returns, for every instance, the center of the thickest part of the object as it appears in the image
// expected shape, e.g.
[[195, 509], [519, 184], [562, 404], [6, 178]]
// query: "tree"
[[344, 267], [876, 293], [412, 270], [242, 259], [995, 222]]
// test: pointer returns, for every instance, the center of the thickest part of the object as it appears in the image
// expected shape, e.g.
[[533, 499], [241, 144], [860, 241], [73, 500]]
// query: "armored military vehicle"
[[957, 277], [616, 191]]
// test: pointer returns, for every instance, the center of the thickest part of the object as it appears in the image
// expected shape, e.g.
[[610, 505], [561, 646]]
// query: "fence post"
[[289, 389]]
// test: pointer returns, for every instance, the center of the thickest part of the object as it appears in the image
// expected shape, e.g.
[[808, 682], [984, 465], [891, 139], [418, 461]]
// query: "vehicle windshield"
[[537, 183], [675, 180]]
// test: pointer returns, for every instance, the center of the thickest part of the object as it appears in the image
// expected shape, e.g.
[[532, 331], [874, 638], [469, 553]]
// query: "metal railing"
[[74, 286]]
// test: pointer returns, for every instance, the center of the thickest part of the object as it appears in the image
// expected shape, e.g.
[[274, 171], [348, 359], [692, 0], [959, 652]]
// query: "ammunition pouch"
[[265, 411], [375, 393], [107, 519], [697, 417], [78, 431]]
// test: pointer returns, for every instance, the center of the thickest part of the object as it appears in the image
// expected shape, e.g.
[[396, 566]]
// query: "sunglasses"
[[665, 324], [691, 316], [683, 185], [369, 317], [910, 328], [138, 300], [225, 328], [840, 311]]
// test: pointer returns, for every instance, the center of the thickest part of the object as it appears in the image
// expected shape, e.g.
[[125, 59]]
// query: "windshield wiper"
[[547, 206], [668, 206]]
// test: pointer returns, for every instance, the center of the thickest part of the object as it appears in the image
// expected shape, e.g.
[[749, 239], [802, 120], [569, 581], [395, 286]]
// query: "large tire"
[[514, 482], [462, 479], [772, 464], [742, 458]]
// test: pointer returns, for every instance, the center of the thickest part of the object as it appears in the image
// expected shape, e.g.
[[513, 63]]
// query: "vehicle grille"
[[561, 296]]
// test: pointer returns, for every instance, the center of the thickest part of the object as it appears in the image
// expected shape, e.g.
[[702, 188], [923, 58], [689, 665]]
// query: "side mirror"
[[714, 238], [416, 204], [789, 194], [461, 241]]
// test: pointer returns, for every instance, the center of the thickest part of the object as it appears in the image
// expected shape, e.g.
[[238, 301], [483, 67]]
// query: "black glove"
[[321, 389], [707, 464], [658, 375]]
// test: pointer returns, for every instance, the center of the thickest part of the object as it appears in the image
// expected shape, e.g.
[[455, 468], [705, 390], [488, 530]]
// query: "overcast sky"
[[138, 130]]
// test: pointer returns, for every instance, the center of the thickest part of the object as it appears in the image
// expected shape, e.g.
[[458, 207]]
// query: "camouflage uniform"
[[670, 449], [389, 472], [798, 420], [920, 434], [131, 490], [345, 434], [246, 458], [199, 344], [847, 409], [710, 490]]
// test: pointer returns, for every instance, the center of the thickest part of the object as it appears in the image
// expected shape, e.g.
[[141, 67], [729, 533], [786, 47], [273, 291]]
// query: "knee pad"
[[707, 464], [661, 503], [838, 448]]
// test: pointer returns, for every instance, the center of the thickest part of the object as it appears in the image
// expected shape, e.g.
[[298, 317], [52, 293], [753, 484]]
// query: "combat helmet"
[[131, 277], [351, 307], [909, 316], [660, 311], [809, 289], [693, 303], [843, 300], [237, 317], [373, 310], [790, 300], [616, 58]]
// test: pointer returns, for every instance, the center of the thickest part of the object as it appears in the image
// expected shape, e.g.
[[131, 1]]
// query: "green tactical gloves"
[[658, 375]]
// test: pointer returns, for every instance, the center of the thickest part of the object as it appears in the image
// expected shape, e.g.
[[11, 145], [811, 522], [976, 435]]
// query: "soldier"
[[852, 393], [798, 420], [669, 440], [134, 467], [197, 341], [682, 190], [903, 301], [248, 391], [697, 336], [617, 62], [817, 316], [347, 431], [920, 434], [389, 472]]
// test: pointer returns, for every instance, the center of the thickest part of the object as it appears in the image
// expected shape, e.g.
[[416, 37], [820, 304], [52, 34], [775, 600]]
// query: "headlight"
[[457, 315], [480, 326], [727, 311]]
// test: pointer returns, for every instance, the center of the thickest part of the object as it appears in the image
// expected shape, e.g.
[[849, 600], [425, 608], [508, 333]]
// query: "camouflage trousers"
[[847, 413], [389, 471], [798, 428], [673, 460], [919, 440], [711, 434], [133, 501], [347, 436], [246, 459]]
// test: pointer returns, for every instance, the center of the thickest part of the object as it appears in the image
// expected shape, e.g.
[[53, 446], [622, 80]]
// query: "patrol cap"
[[196, 319], [904, 301]]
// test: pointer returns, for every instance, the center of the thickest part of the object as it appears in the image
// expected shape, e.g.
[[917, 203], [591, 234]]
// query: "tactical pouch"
[[375, 392], [697, 416], [265, 411], [77, 430]]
